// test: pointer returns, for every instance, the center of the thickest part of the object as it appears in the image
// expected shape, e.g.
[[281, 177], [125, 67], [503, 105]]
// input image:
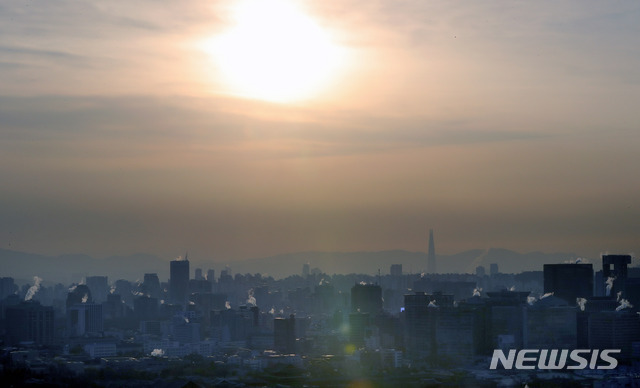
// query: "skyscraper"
[[569, 281], [431, 255], [30, 322], [179, 281]]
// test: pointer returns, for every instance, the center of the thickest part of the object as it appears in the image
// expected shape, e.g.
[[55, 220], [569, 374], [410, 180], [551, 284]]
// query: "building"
[[179, 281], [151, 285], [396, 270], [569, 281], [366, 298], [99, 287], [284, 334], [85, 319], [420, 326], [29, 322], [551, 323], [614, 330]]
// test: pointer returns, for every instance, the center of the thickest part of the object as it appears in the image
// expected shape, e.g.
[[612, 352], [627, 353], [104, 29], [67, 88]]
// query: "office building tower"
[[179, 281], [493, 269], [7, 287], [151, 285], [396, 270], [85, 319], [551, 323], [431, 255], [198, 274], [99, 287], [569, 281], [420, 329], [211, 276], [284, 334], [29, 322], [305, 270], [366, 298], [359, 328], [614, 330]]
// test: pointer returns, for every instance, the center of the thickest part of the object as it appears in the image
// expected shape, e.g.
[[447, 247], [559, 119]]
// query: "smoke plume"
[[581, 302], [33, 289], [624, 304], [609, 283], [251, 300]]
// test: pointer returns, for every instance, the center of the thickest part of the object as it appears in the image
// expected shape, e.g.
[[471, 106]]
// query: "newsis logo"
[[555, 359]]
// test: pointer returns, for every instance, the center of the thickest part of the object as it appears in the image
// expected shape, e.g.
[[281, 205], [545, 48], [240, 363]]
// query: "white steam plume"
[[251, 300], [157, 353], [227, 305], [432, 304], [85, 298], [548, 294], [624, 304], [582, 302], [477, 291], [33, 289], [609, 283], [531, 300]]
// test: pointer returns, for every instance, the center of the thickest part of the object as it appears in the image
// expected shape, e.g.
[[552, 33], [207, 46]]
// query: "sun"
[[274, 52]]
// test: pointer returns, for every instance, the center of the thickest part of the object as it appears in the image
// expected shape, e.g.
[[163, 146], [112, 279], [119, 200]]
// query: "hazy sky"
[[129, 126]]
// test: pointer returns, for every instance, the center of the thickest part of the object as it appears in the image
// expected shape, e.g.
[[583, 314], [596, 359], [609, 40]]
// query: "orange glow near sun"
[[274, 52]]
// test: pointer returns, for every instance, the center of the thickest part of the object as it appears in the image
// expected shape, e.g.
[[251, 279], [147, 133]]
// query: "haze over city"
[[239, 130]]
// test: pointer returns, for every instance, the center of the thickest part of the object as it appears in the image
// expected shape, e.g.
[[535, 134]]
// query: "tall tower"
[[431, 255], [179, 280]]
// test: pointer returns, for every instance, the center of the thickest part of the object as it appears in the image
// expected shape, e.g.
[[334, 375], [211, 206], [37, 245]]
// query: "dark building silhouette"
[[151, 285], [614, 330], [7, 287], [359, 328], [395, 270], [85, 319], [420, 325], [366, 298], [284, 334], [569, 281], [99, 287], [431, 254], [29, 322], [179, 281]]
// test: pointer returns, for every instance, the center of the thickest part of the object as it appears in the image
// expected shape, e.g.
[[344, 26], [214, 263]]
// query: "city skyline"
[[124, 129]]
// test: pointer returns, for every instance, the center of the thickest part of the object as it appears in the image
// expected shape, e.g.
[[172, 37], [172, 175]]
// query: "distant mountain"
[[72, 268], [412, 262]]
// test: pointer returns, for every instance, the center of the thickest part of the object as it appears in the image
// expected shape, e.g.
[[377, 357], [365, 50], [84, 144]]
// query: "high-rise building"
[[198, 274], [7, 287], [179, 281], [99, 287], [29, 322], [284, 334], [85, 319], [396, 270], [211, 276], [151, 285], [366, 298], [431, 255], [569, 281], [305, 270]]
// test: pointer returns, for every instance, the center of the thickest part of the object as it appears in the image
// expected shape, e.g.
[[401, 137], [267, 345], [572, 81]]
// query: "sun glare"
[[274, 52]]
